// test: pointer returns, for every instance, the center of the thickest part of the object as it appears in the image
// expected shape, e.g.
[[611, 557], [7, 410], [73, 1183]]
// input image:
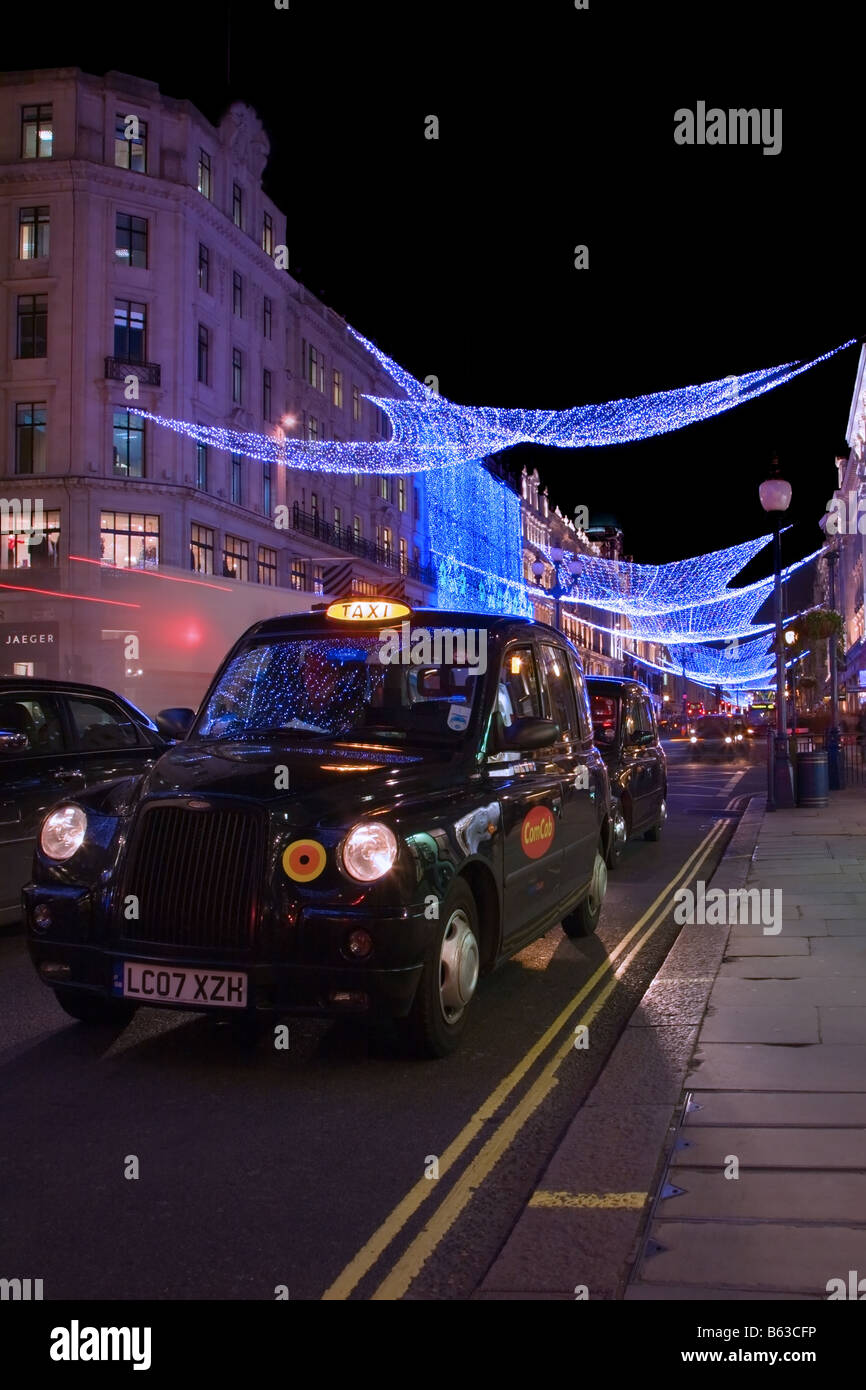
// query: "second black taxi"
[[371, 808], [625, 729]]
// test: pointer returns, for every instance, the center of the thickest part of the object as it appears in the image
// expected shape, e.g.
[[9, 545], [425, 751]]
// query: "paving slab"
[[790, 967], [797, 1108], [818, 989], [752, 944], [770, 1195], [791, 932], [842, 1024], [781, 1148], [752, 1023], [758, 1067], [657, 1293], [755, 1255]]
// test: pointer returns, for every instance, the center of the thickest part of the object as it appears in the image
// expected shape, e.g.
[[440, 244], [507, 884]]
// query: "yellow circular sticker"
[[304, 860]]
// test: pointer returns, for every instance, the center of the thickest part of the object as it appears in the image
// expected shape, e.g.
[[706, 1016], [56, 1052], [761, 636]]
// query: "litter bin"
[[813, 778]]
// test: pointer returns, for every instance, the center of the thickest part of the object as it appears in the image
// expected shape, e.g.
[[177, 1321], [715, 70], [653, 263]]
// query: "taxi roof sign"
[[368, 610]]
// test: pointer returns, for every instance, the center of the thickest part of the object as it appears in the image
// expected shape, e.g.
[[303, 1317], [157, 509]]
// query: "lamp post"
[[835, 773], [775, 496]]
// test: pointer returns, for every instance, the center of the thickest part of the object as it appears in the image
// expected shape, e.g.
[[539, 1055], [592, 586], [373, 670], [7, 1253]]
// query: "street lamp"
[[775, 496], [556, 590]]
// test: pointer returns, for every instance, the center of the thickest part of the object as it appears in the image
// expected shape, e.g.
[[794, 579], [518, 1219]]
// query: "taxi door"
[[578, 764], [527, 784]]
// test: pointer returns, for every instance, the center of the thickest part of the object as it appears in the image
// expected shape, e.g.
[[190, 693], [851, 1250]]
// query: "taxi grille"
[[197, 876]]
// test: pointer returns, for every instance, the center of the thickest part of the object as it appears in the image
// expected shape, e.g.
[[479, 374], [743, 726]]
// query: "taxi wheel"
[[618, 837], [655, 831], [92, 1008], [451, 968], [584, 919]]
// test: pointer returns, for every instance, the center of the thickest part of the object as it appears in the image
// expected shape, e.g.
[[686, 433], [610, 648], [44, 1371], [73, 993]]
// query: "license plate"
[[165, 984]]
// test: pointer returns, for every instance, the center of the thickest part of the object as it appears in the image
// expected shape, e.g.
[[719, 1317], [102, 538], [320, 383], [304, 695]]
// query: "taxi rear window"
[[605, 710], [337, 686]]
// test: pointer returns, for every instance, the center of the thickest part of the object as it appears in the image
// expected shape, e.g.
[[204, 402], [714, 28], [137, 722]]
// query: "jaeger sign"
[[39, 641]]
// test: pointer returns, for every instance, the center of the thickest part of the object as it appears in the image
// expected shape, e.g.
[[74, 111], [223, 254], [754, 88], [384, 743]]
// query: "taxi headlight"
[[369, 851], [693, 739], [728, 738], [63, 831]]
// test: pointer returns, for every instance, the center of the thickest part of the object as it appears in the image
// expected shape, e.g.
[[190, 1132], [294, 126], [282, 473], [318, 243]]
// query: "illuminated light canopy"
[[622, 587], [476, 541], [430, 432], [751, 681]]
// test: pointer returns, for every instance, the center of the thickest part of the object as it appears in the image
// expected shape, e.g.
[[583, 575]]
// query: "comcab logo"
[[537, 831]]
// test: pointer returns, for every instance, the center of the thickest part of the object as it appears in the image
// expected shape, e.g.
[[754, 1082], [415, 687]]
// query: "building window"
[[32, 325], [356, 403], [237, 478], [267, 317], [237, 205], [318, 579], [37, 132], [266, 489], [266, 565], [298, 576], [203, 268], [130, 143], [19, 547], [236, 558], [203, 354], [30, 422], [238, 295], [337, 388], [129, 540], [201, 549], [338, 519], [357, 530], [315, 368], [266, 394], [128, 441], [130, 330], [387, 541], [314, 504], [201, 467], [130, 240], [358, 479], [237, 376], [404, 555], [33, 225], [268, 234], [204, 174], [385, 488], [401, 494], [312, 427]]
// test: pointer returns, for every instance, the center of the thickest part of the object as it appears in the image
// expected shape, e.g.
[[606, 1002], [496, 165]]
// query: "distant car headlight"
[[369, 851], [693, 739], [739, 738], [728, 738], [62, 833]]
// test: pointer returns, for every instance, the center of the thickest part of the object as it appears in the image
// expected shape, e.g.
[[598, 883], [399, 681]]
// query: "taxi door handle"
[[62, 774], [557, 805]]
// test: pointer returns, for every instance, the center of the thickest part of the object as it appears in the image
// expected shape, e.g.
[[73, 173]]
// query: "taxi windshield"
[[335, 686]]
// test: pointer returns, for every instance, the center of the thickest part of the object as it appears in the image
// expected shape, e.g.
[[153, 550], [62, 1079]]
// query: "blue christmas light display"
[[430, 432], [618, 586], [476, 541], [742, 681]]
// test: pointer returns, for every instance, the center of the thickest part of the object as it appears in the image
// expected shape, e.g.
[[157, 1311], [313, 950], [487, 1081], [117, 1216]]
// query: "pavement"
[[721, 1153]]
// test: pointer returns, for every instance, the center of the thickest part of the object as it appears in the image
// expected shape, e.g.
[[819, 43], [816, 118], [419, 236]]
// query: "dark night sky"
[[456, 256]]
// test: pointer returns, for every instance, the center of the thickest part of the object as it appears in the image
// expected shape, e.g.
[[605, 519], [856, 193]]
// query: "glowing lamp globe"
[[775, 495]]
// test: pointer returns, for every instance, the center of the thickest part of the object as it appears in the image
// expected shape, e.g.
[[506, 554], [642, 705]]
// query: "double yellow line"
[[400, 1277]]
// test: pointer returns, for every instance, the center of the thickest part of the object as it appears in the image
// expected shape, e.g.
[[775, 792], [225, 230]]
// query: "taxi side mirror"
[[526, 733], [175, 723]]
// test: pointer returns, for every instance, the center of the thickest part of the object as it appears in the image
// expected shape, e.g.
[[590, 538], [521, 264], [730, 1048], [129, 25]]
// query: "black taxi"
[[371, 807]]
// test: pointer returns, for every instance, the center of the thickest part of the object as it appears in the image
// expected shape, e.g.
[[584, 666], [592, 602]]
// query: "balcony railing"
[[117, 369], [343, 538]]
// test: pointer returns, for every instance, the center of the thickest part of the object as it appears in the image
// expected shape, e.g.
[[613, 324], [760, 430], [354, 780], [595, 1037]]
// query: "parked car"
[[625, 732], [56, 739], [348, 827]]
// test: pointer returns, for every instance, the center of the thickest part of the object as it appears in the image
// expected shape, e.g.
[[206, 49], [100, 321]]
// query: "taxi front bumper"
[[311, 976]]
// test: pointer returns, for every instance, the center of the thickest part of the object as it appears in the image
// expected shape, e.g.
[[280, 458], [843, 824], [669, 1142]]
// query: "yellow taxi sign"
[[368, 610]]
